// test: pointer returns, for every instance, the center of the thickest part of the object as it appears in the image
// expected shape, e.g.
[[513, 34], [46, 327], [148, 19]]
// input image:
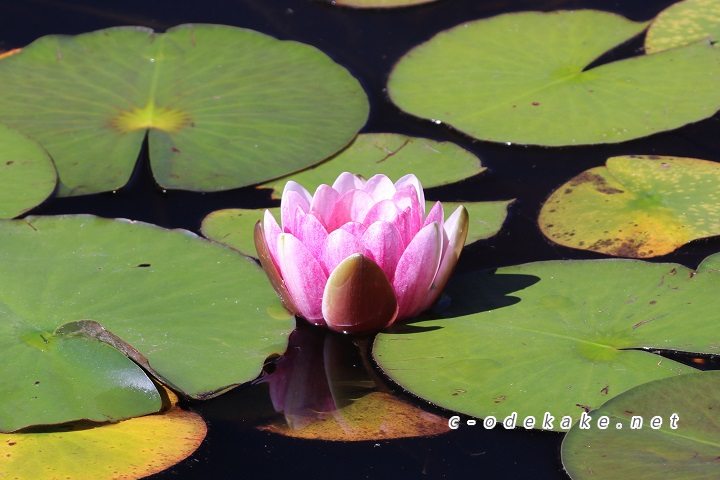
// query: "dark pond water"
[[367, 43]]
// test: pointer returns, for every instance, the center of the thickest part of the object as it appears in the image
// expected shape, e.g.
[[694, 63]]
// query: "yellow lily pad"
[[129, 449], [683, 23], [635, 206]]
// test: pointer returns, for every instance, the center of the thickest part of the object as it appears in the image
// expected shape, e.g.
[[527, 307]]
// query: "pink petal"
[[358, 297], [417, 268], [354, 228], [346, 182], [293, 199], [380, 187], [351, 207], [411, 179], [406, 200], [324, 201], [338, 246], [271, 269], [303, 276], [384, 246], [312, 233], [383, 211], [271, 230], [436, 214], [402, 223], [456, 228]]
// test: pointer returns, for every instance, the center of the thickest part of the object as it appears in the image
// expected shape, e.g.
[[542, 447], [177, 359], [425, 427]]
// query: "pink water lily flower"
[[359, 255]]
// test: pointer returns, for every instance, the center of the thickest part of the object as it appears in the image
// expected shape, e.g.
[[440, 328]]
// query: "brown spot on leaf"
[[605, 390], [630, 248], [584, 407], [601, 244], [598, 182], [535, 104]]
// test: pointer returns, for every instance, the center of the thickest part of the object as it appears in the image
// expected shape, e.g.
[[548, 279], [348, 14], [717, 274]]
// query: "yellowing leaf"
[[129, 449], [682, 23], [636, 206]]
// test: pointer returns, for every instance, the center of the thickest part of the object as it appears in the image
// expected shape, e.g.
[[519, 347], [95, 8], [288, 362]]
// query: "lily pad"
[[394, 155], [198, 316], [129, 449], [226, 107], [682, 23], [635, 206], [582, 323], [690, 450], [8, 53], [27, 174], [234, 226], [493, 80]]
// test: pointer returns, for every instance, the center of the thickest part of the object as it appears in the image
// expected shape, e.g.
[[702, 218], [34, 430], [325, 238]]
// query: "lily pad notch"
[[225, 107], [492, 80]]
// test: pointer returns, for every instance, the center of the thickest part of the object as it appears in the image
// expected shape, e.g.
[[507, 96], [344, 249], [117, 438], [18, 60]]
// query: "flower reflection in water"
[[324, 391]]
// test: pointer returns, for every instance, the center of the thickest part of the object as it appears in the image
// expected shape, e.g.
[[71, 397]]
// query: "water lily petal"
[[380, 187], [456, 228], [384, 246], [304, 277], [417, 268], [312, 233], [270, 267], [324, 201], [358, 297], [271, 231], [406, 199], [354, 228], [346, 182], [411, 179], [292, 200], [339, 245], [436, 214], [351, 207], [383, 211]]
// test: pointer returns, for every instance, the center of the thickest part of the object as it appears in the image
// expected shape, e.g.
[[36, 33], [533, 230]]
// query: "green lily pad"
[[580, 323], [27, 174], [394, 155], [635, 206], [129, 449], [234, 226], [198, 316], [682, 23], [493, 80], [690, 450], [226, 107]]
